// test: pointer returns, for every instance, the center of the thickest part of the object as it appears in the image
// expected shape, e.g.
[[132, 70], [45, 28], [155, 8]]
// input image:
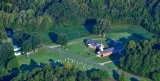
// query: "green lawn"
[[72, 32], [129, 32], [41, 56], [77, 33], [44, 56]]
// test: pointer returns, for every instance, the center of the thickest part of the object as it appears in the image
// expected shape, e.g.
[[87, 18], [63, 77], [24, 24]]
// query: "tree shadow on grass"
[[89, 24], [134, 37], [33, 64], [133, 79], [30, 67], [53, 36], [139, 36], [54, 63]]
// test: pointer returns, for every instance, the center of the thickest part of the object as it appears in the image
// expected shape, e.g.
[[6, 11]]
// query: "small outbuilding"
[[17, 50]]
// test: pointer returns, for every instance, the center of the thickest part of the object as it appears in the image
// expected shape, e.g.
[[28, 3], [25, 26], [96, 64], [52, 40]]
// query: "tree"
[[27, 46], [13, 63], [3, 72], [82, 76], [67, 65], [99, 74], [6, 53], [2, 35], [102, 27], [62, 39], [36, 40], [156, 76], [122, 77]]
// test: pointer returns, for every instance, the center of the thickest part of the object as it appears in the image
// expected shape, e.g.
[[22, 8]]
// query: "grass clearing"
[[132, 30], [78, 49], [77, 33], [124, 33], [41, 56], [44, 56]]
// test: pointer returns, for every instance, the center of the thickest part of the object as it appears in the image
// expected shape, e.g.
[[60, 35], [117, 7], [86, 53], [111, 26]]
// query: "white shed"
[[16, 48]]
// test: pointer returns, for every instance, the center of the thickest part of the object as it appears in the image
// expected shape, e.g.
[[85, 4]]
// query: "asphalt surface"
[[90, 62]]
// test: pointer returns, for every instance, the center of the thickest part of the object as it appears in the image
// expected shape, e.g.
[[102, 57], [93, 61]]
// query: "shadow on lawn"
[[89, 24], [134, 79], [133, 37], [53, 36], [33, 64]]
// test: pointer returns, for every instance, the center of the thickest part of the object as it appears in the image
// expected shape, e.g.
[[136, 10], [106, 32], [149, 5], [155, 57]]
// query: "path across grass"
[[123, 32], [119, 32]]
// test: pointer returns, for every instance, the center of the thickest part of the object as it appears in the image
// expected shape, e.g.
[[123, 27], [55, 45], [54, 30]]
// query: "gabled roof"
[[111, 49], [91, 42], [106, 50]]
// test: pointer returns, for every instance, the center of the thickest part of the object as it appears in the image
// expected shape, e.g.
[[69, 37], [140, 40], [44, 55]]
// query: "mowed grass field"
[[129, 32], [76, 35], [46, 56], [122, 32]]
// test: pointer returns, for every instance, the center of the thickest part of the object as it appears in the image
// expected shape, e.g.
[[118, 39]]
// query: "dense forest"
[[66, 73], [142, 58], [46, 72], [31, 16]]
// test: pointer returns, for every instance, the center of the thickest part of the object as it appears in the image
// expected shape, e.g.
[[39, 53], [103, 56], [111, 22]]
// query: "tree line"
[[45, 15], [67, 72], [142, 58]]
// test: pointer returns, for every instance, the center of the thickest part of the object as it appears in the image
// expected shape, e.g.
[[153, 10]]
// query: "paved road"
[[88, 61]]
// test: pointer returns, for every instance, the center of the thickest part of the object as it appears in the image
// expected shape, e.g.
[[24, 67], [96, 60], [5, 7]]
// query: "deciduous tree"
[[62, 39]]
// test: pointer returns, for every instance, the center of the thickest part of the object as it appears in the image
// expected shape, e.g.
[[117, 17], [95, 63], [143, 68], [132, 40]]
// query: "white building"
[[17, 50], [16, 53]]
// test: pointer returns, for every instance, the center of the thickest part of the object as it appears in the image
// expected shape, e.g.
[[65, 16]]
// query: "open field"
[[129, 32], [121, 32], [81, 50], [124, 33], [41, 56], [47, 56], [76, 36]]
